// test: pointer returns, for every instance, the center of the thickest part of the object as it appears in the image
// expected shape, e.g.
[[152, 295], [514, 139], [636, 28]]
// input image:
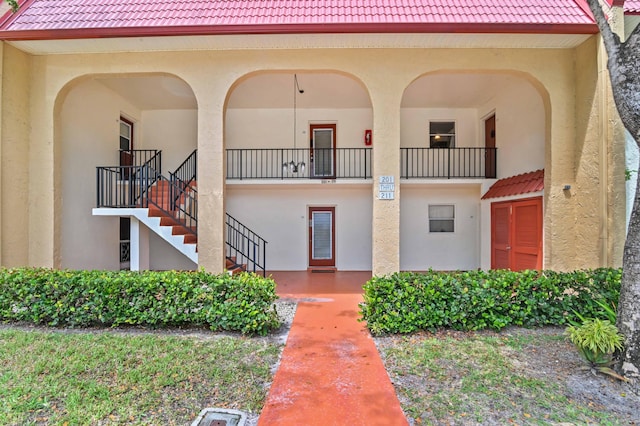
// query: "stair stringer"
[[153, 223]]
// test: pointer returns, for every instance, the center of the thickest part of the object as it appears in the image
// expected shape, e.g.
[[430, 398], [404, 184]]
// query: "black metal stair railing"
[[245, 246], [184, 178], [144, 187], [127, 185], [448, 163], [187, 172], [141, 157], [141, 185], [184, 209]]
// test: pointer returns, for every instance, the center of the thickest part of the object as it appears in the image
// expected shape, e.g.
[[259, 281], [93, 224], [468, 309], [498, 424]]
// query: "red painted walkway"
[[330, 372]]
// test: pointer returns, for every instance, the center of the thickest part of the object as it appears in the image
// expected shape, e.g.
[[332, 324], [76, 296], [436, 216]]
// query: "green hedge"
[[407, 302], [241, 302]]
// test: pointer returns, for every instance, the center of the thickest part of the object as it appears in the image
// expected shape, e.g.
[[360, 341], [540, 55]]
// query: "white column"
[[139, 245], [386, 167]]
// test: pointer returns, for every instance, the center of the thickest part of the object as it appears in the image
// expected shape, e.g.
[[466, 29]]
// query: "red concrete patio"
[[330, 372]]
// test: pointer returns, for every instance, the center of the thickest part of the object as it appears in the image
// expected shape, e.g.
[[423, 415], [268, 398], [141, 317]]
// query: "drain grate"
[[220, 417]]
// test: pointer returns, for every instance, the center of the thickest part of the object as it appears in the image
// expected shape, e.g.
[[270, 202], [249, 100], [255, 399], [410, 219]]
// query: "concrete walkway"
[[330, 372]]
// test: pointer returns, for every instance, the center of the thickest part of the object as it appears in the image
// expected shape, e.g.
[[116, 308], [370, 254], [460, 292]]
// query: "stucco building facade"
[[252, 99]]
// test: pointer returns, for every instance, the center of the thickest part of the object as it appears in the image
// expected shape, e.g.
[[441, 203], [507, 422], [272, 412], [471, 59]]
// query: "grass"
[[62, 378], [478, 379], [58, 378]]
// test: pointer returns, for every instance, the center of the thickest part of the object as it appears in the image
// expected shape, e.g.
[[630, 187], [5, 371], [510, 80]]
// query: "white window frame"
[[444, 218]]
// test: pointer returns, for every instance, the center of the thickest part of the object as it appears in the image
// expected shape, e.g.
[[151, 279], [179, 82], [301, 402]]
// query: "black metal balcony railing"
[[447, 163], [355, 163], [325, 163]]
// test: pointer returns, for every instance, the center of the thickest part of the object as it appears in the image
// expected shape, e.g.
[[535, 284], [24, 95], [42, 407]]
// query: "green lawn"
[[108, 378], [476, 378], [59, 378]]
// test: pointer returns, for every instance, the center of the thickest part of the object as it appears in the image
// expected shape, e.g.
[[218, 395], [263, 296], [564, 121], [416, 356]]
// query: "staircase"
[[169, 207]]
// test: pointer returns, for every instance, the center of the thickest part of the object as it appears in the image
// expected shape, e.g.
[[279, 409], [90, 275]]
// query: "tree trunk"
[[628, 321], [623, 64]]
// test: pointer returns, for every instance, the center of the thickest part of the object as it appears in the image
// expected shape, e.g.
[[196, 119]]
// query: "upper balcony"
[[448, 163], [300, 163], [356, 163]]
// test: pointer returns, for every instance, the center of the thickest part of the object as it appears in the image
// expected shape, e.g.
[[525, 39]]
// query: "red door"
[[516, 234], [322, 241], [490, 144], [500, 238], [126, 146], [323, 150]]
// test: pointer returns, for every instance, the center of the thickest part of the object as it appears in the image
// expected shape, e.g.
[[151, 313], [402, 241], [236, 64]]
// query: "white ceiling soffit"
[[296, 41], [153, 92], [321, 91]]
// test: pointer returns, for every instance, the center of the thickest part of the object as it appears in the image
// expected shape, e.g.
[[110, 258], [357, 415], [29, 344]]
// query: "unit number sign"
[[386, 188]]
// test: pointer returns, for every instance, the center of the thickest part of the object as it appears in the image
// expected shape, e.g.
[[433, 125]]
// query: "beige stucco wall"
[[14, 169], [384, 73], [174, 132], [272, 127], [421, 249], [89, 132], [599, 187], [414, 125], [280, 215], [520, 127]]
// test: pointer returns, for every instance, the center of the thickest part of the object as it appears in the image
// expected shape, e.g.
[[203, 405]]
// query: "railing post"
[[254, 256], [449, 163], [264, 259], [98, 187], [406, 162], [364, 174]]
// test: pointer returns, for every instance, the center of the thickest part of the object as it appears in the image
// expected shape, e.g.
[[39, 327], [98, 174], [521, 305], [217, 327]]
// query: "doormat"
[[323, 271]]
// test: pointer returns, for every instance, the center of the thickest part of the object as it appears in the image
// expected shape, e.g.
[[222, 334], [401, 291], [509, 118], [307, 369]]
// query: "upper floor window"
[[126, 134], [442, 134]]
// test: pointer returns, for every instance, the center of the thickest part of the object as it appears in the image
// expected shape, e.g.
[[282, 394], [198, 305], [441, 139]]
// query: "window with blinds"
[[322, 235], [441, 218]]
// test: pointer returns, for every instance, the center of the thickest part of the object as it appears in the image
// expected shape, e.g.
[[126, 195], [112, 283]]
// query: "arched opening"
[[298, 168], [460, 132], [96, 116]]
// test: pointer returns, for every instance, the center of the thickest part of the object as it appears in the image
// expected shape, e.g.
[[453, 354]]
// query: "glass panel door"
[[321, 228], [321, 236], [323, 152]]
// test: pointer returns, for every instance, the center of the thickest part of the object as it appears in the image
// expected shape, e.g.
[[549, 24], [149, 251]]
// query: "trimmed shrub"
[[406, 302], [241, 302]]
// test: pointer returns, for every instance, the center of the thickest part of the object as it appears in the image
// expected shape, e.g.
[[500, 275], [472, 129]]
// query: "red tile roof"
[[161, 17], [632, 7], [514, 185]]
